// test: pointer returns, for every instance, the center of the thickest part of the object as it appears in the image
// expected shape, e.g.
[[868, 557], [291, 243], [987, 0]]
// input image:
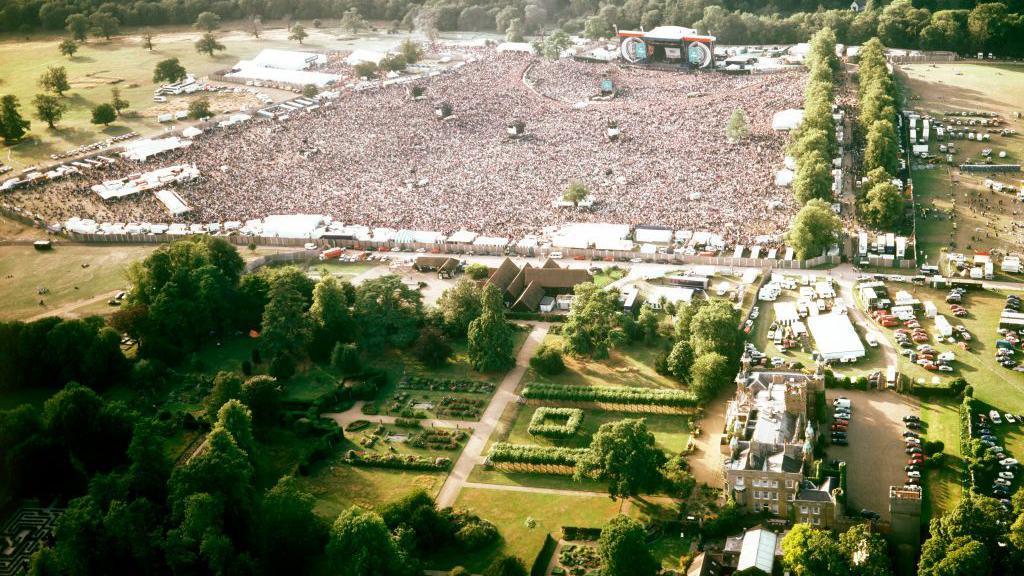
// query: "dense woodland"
[[962, 25]]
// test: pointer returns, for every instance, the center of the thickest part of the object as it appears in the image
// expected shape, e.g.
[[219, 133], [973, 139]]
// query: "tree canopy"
[[624, 454]]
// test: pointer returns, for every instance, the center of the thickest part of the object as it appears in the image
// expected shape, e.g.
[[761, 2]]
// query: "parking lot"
[[875, 456]]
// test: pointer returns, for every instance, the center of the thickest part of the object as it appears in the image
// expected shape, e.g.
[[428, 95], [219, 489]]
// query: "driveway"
[[875, 456]]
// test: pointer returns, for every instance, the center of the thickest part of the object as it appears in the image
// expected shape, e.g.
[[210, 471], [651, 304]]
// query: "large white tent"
[[835, 336]]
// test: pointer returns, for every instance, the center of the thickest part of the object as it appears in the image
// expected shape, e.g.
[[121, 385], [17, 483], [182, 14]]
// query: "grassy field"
[[609, 275], [943, 488], [511, 512], [337, 486], [71, 274], [631, 365], [935, 89]]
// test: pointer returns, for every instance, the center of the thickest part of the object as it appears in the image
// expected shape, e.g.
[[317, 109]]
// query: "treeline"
[[880, 202], [814, 145], [960, 25]]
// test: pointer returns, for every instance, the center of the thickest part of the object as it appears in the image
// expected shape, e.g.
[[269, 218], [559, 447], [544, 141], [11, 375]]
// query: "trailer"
[[331, 254], [863, 243]]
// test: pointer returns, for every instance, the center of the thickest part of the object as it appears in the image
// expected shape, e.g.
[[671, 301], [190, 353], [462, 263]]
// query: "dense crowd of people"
[[378, 157]]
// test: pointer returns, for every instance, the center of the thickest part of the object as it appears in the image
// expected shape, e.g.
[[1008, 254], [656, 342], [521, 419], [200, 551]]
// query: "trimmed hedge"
[[611, 395], [540, 563], [397, 461], [533, 454], [580, 533], [416, 382], [540, 427]]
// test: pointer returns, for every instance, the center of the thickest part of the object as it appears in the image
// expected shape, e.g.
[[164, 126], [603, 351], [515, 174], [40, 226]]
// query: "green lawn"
[[942, 485], [70, 273], [510, 512], [631, 365], [670, 431], [609, 275], [336, 486], [554, 481]]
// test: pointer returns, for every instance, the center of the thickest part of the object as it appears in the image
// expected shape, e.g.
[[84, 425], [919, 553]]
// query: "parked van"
[[872, 339]]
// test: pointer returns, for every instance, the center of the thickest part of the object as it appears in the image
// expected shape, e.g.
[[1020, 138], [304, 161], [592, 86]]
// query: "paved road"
[[505, 394]]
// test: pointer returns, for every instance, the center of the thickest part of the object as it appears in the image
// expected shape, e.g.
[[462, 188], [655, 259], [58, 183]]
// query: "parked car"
[[1006, 475], [1008, 462], [911, 418], [1009, 418], [909, 434], [994, 416], [913, 474], [1002, 482]]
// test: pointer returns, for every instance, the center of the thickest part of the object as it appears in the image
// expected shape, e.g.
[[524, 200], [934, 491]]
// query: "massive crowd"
[[379, 158]]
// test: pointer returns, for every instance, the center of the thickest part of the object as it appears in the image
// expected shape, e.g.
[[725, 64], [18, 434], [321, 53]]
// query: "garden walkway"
[[503, 396], [356, 413]]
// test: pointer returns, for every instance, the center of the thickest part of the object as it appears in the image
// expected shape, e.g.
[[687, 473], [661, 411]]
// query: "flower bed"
[[555, 422], [397, 461], [465, 408], [533, 454], [416, 382], [610, 394], [437, 439], [579, 559]]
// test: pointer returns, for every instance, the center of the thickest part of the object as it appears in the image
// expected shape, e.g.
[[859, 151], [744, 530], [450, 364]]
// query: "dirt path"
[[706, 463], [505, 394], [67, 310]]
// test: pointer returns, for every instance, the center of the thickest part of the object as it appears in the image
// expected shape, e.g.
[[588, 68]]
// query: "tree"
[[553, 45], [547, 360], [459, 306], [226, 386], [490, 335], [310, 90], [514, 32], [68, 47], [78, 26], [330, 316], [360, 545], [987, 27], [291, 534], [411, 50], [432, 348], [262, 395], [169, 71], [715, 328], [297, 33], [736, 128], [117, 102], [597, 27], [147, 41], [49, 109], [256, 27], [12, 126], [207, 21], [208, 44], [199, 108], [807, 551], [150, 468], [286, 328], [388, 311], [649, 322], [236, 418], [345, 358], [477, 271], [883, 206], [882, 149], [506, 566], [593, 326], [475, 18], [680, 359], [867, 551], [352, 21], [104, 24], [575, 193], [710, 373], [103, 114], [624, 454], [813, 179], [366, 69], [960, 556], [623, 549], [55, 79], [425, 20], [814, 228]]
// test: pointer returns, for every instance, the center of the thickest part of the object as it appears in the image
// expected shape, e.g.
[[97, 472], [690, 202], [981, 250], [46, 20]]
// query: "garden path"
[[503, 396]]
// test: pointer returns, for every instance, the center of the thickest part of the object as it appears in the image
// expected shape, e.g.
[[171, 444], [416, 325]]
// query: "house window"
[[775, 508], [816, 521], [789, 483], [803, 509], [775, 483], [817, 510]]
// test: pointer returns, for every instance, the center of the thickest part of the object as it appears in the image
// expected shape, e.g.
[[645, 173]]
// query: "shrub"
[[475, 535], [477, 271], [432, 348], [247, 367], [407, 422], [612, 395], [540, 426], [548, 360], [345, 358], [533, 454], [282, 367], [396, 461]]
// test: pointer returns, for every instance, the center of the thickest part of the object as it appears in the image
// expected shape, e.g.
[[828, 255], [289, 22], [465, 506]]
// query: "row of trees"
[[707, 346], [880, 202], [963, 25], [816, 227]]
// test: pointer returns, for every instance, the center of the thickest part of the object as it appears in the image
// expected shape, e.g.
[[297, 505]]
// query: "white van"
[[872, 339]]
